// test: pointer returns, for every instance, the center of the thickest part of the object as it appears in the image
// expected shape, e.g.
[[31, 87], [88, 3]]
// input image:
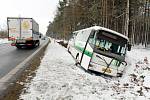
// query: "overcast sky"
[[42, 11]]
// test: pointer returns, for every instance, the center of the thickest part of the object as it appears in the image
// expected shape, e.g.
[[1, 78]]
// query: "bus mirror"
[[129, 47]]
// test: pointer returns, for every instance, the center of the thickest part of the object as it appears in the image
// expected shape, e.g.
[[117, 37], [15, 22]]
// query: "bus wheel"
[[77, 58]]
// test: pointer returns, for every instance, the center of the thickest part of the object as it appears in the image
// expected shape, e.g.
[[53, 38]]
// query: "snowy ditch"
[[57, 78]]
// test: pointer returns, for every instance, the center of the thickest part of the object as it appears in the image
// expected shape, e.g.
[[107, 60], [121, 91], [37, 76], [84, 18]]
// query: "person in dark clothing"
[[114, 48]]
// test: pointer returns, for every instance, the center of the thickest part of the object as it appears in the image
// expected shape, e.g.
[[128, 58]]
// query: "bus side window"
[[91, 38], [81, 36], [72, 37]]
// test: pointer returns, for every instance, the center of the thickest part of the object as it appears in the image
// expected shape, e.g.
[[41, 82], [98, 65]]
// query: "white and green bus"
[[100, 49]]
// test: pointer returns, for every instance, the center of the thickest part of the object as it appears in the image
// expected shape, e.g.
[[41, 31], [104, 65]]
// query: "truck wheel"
[[18, 47], [35, 44], [38, 43]]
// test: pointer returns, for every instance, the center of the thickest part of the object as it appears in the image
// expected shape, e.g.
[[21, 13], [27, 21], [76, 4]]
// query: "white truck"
[[23, 32]]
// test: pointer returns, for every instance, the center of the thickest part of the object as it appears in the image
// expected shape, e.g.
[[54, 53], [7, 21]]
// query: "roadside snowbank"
[[59, 79], [2, 41]]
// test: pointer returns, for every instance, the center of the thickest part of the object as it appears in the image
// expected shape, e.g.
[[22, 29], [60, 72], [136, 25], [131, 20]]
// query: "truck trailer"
[[23, 32]]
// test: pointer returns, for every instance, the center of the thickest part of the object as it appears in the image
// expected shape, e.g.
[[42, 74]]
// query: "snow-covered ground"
[[2, 41], [59, 79]]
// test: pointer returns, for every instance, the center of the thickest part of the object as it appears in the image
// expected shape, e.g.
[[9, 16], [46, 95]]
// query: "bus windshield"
[[110, 43], [107, 46]]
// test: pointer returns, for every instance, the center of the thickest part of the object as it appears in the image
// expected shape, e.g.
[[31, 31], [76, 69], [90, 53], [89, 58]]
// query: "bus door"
[[88, 50]]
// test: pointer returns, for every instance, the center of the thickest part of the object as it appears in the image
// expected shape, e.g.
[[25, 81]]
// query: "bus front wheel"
[[77, 59]]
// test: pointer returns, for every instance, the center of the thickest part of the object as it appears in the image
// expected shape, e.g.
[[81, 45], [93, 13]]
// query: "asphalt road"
[[10, 57]]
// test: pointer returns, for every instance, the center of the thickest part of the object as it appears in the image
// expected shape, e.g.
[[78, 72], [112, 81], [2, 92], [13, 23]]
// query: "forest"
[[3, 34], [129, 17], [3, 31]]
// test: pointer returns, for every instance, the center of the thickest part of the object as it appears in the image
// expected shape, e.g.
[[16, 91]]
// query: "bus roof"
[[106, 29]]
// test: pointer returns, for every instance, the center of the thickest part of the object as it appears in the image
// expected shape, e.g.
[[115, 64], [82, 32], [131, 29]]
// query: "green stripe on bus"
[[86, 51]]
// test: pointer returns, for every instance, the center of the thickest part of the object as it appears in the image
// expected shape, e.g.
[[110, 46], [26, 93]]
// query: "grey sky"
[[42, 11]]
